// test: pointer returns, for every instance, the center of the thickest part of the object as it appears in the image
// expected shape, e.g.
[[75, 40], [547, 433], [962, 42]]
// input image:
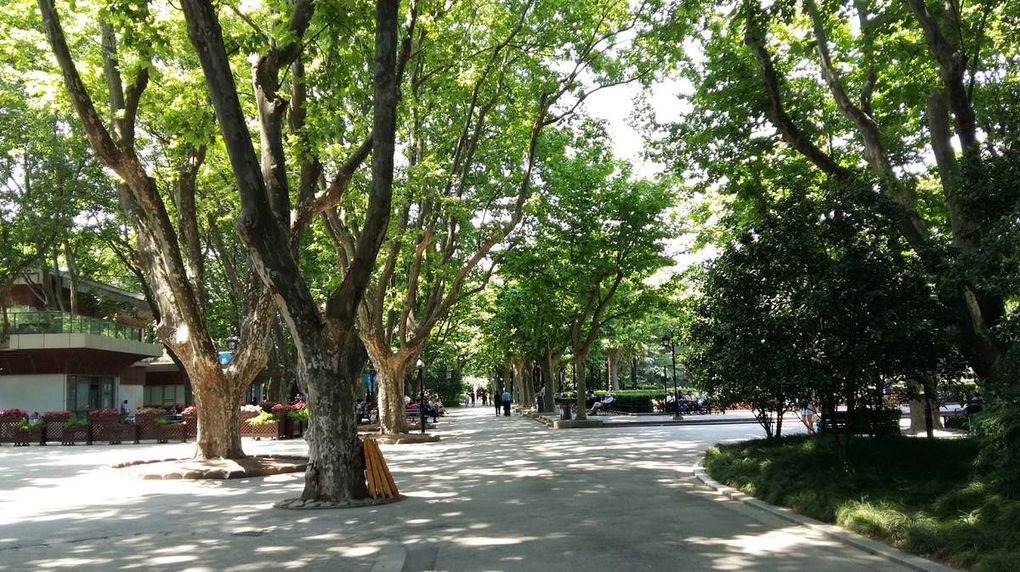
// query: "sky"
[[616, 106]]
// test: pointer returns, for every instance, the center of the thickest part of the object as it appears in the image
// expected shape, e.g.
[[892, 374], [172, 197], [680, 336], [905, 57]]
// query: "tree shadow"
[[495, 494]]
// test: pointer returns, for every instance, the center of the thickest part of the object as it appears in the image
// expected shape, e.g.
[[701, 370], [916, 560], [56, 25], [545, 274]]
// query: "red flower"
[[16, 413], [281, 407], [104, 413], [57, 414]]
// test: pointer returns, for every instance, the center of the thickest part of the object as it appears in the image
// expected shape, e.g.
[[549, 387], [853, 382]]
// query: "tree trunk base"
[[312, 504]]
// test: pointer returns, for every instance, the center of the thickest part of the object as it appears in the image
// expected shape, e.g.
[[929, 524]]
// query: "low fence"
[[113, 430]]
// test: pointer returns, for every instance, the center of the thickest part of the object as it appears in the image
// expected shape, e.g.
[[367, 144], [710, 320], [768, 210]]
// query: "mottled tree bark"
[[551, 380], [613, 365], [176, 295]]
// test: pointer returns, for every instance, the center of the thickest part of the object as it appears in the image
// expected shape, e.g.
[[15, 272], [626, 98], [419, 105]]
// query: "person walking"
[[506, 403], [497, 401]]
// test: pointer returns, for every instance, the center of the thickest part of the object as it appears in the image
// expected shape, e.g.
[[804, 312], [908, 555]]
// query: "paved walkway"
[[496, 494]]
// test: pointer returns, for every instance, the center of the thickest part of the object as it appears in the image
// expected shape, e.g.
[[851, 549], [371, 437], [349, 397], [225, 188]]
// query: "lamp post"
[[421, 388], [668, 341], [665, 389]]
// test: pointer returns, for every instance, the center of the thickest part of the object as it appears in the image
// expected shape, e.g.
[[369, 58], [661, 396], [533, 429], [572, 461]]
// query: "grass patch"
[[915, 494]]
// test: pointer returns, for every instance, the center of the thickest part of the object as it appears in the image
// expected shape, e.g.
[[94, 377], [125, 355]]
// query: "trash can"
[[565, 406]]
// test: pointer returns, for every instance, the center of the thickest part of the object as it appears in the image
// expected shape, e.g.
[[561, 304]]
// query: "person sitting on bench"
[[605, 404]]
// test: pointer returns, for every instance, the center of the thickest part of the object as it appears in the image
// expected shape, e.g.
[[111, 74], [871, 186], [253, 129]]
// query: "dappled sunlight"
[[493, 494], [474, 541]]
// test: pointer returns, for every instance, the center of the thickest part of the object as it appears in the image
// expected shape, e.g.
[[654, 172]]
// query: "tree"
[[335, 473], [481, 96], [815, 299], [169, 254], [598, 232], [897, 83]]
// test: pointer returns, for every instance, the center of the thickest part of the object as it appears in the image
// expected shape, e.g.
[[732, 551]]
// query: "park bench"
[[864, 422]]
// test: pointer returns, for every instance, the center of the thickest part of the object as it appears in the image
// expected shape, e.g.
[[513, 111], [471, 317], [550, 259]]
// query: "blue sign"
[[225, 357], [369, 378]]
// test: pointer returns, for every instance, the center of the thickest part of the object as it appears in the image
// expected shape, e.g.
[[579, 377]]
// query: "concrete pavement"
[[495, 494]]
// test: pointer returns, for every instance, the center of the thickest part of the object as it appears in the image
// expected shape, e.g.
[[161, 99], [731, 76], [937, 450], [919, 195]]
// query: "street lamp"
[[665, 389], [667, 341], [421, 389]]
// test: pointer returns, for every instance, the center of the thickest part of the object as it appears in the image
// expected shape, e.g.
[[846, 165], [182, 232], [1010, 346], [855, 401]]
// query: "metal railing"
[[53, 322]]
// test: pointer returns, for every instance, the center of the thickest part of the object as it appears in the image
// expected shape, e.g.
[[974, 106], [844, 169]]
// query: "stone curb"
[[840, 534], [288, 464]]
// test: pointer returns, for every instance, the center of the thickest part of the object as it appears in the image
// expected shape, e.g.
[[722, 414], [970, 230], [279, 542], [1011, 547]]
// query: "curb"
[[840, 534]]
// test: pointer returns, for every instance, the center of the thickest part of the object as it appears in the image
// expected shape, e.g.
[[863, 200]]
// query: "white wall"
[[33, 392], [133, 395]]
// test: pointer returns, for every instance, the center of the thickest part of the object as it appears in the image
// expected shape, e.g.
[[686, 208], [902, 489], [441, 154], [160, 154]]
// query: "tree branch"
[[754, 38]]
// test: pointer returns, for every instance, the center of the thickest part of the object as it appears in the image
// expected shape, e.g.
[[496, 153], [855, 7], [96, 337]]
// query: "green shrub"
[[998, 431], [633, 400], [76, 423], [26, 425], [263, 418], [919, 495]]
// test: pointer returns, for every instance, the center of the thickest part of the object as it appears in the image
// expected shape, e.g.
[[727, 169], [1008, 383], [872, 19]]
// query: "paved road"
[[496, 494]]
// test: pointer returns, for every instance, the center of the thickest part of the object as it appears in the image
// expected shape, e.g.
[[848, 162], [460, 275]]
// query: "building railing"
[[54, 322]]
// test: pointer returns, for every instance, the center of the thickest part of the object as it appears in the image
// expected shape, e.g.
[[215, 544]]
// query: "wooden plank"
[[382, 471], [391, 486], [374, 471], [373, 489]]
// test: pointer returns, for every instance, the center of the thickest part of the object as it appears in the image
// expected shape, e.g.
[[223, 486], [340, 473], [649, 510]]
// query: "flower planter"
[[170, 432], [72, 435], [246, 429], [282, 426], [54, 429], [146, 424], [26, 437], [268, 430], [191, 426], [8, 429], [110, 430]]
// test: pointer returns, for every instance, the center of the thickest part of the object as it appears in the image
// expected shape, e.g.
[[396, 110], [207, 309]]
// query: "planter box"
[[8, 428], [54, 429], [246, 429], [171, 432], [282, 426], [76, 435], [24, 438], [191, 426], [295, 429], [268, 431], [110, 430]]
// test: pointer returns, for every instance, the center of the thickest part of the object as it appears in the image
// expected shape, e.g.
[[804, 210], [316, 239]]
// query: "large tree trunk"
[[335, 462], [219, 418], [613, 365], [580, 373], [389, 378], [918, 397], [551, 381], [633, 371]]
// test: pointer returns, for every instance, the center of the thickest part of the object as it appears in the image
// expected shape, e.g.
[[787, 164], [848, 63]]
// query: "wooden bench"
[[411, 412]]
